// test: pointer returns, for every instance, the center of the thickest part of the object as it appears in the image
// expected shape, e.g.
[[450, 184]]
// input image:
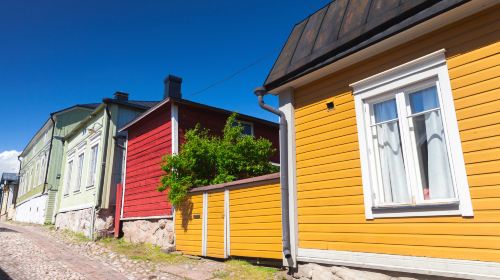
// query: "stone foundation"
[[159, 232], [81, 220]]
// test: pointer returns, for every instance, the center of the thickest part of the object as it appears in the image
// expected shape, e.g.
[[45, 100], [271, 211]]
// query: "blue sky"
[[54, 54]]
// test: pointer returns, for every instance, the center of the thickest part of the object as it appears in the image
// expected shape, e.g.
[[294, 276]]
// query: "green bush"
[[205, 159]]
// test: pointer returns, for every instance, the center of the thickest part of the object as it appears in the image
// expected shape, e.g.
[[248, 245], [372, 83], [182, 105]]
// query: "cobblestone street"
[[30, 252]]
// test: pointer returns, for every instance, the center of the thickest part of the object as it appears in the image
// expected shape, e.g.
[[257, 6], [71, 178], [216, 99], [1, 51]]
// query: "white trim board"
[[420, 265], [174, 124], [286, 106], [147, 218], [75, 208]]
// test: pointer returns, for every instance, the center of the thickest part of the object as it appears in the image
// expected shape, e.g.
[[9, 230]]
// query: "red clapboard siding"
[[149, 141]]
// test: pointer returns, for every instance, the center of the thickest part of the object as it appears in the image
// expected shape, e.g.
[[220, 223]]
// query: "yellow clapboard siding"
[[480, 216], [262, 198], [262, 219], [483, 155], [256, 233], [331, 210], [474, 66], [481, 133], [481, 144], [255, 212], [261, 205], [258, 240], [336, 118], [485, 192], [482, 167], [329, 158], [259, 247], [256, 226], [477, 88], [486, 229], [479, 122], [481, 75], [329, 126], [326, 218], [473, 56], [257, 254], [477, 99], [331, 201], [478, 110], [490, 179], [330, 192], [346, 173], [255, 221], [320, 145], [485, 242], [188, 235], [215, 224], [329, 167], [328, 184], [329, 134]]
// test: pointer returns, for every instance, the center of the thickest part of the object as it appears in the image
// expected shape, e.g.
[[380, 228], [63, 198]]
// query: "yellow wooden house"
[[393, 112]]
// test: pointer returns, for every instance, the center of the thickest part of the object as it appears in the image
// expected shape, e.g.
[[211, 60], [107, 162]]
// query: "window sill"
[[89, 187], [76, 192], [422, 210]]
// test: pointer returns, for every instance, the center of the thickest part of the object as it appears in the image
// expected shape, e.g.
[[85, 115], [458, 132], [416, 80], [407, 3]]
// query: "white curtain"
[[391, 156], [440, 184]]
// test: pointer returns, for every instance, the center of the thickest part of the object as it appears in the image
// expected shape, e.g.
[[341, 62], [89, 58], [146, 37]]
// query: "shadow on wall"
[[4, 275], [187, 213]]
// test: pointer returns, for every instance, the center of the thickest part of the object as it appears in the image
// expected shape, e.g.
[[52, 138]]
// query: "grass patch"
[[240, 269], [49, 227], [142, 252], [75, 236]]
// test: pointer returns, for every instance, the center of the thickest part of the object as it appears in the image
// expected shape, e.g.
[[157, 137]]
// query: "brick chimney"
[[123, 96], [172, 87]]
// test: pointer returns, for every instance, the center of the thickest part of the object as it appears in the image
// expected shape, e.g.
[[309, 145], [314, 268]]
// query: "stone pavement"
[[29, 252]]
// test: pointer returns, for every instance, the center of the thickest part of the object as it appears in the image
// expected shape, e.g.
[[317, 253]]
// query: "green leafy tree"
[[205, 159]]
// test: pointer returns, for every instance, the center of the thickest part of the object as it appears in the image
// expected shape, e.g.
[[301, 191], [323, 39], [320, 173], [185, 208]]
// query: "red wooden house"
[[160, 131]]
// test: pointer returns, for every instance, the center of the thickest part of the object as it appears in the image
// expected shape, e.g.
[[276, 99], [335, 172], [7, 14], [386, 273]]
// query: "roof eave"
[[376, 46]]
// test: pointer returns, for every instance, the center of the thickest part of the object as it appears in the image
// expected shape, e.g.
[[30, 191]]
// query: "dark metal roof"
[[345, 26], [10, 177], [131, 103]]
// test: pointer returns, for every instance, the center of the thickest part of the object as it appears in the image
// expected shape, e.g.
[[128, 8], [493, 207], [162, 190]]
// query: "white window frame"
[[79, 170], [429, 67], [69, 175], [93, 164]]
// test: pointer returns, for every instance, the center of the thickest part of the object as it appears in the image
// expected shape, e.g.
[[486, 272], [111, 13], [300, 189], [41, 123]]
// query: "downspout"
[[124, 171], [50, 152], [98, 195], [285, 217]]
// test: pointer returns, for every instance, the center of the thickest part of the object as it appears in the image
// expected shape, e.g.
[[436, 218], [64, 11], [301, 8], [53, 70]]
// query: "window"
[[41, 174], [93, 164], [69, 172], [79, 172], [412, 163], [247, 127]]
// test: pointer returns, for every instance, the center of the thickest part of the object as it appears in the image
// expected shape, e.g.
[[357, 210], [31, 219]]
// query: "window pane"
[[390, 165], [424, 100], [247, 129], [385, 111], [433, 164]]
